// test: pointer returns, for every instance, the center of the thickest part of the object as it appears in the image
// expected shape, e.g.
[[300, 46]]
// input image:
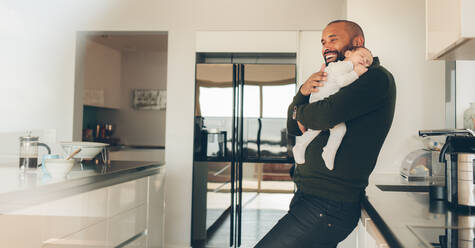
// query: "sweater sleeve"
[[361, 97], [292, 126]]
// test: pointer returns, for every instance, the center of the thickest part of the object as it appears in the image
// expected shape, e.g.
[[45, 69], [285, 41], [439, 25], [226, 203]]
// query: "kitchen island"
[[405, 216], [121, 204]]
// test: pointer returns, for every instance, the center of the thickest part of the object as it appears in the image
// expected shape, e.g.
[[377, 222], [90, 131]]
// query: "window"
[[209, 97]]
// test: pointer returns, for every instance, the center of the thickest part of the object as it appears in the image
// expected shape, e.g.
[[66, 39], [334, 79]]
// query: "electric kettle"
[[458, 153]]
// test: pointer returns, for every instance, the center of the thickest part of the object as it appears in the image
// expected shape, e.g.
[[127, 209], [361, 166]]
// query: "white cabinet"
[[99, 70], [450, 29], [107, 217], [368, 235]]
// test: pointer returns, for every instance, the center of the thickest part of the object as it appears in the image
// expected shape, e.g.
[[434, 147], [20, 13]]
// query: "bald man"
[[326, 207]]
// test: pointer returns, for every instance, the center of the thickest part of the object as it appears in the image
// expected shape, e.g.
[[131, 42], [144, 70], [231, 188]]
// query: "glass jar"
[[469, 117], [29, 151]]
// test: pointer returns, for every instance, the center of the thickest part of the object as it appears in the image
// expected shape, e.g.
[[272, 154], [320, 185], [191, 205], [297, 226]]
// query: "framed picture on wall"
[[149, 99]]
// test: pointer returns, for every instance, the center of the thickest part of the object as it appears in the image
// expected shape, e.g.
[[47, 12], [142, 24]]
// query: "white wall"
[[38, 41], [465, 88], [395, 32], [141, 70]]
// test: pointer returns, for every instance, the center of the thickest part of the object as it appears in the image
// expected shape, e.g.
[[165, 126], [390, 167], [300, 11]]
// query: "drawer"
[[125, 196], [109, 233], [93, 236], [54, 219], [127, 224]]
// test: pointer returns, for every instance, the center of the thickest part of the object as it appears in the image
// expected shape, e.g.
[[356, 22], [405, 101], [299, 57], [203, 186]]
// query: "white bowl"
[[58, 168], [88, 149]]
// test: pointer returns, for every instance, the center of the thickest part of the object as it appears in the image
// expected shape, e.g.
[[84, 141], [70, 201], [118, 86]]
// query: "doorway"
[[120, 92]]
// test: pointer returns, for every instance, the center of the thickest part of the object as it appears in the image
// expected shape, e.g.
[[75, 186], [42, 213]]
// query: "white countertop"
[[22, 189]]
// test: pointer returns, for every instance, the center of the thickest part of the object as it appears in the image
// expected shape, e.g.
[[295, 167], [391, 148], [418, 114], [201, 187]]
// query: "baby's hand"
[[359, 55], [366, 57], [360, 69]]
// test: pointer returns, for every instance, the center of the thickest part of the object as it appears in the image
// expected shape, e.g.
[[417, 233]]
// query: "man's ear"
[[358, 41]]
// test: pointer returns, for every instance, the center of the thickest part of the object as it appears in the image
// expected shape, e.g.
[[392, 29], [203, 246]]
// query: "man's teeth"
[[330, 56]]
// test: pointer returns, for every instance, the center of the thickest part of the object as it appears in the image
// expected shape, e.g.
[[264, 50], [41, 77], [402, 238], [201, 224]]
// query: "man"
[[326, 207]]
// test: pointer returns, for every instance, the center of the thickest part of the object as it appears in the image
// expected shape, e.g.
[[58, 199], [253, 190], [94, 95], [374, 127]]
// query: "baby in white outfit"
[[339, 75]]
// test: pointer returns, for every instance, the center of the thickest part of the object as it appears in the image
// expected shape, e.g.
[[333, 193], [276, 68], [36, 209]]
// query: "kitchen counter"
[[401, 216], [120, 205], [19, 190]]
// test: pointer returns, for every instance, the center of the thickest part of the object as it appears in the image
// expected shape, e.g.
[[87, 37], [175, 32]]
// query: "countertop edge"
[[13, 201], [388, 235]]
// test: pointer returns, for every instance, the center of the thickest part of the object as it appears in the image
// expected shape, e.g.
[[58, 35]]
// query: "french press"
[[29, 151]]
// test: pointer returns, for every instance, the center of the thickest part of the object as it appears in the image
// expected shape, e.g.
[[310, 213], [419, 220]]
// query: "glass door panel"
[[213, 183], [268, 90]]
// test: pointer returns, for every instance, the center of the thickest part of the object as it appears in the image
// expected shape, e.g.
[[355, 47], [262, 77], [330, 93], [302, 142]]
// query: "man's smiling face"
[[335, 41]]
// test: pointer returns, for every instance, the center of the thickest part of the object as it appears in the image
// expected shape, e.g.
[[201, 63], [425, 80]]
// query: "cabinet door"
[[442, 25], [156, 211], [126, 225], [372, 236], [125, 196], [361, 235], [100, 71], [53, 220]]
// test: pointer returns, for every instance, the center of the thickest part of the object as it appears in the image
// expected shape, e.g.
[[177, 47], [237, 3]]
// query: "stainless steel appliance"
[[458, 154], [240, 131], [416, 165], [455, 145]]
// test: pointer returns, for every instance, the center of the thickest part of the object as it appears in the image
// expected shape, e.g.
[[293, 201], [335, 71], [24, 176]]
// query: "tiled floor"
[[260, 213]]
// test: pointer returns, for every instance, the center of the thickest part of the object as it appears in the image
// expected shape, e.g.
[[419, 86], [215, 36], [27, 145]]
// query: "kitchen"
[[41, 95]]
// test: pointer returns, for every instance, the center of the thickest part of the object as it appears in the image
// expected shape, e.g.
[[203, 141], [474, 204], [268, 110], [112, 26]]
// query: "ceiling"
[[131, 41]]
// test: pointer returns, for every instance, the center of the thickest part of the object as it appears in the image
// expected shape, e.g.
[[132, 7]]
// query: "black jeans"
[[312, 222]]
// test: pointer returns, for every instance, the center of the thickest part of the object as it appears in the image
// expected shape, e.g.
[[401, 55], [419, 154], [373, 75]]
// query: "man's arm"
[[292, 126], [311, 85], [359, 98]]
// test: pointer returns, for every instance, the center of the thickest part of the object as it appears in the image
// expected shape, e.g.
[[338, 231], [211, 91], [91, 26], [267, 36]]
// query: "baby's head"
[[359, 55]]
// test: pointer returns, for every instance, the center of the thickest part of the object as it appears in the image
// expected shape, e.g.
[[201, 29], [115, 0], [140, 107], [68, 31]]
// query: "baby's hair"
[[354, 48]]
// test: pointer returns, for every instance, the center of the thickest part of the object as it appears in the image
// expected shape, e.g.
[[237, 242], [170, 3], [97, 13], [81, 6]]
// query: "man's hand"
[[313, 82], [301, 127]]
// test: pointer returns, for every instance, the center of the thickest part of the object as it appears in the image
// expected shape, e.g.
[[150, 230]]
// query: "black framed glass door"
[[238, 136]]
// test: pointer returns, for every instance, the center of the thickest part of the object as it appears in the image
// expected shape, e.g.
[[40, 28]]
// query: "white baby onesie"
[[339, 75]]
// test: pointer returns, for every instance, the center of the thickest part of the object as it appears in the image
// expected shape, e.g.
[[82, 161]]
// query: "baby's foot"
[[328, 156], [299, 154]]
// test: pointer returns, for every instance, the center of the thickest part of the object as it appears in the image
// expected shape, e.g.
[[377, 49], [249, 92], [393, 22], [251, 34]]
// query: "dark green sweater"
[[367, 108]]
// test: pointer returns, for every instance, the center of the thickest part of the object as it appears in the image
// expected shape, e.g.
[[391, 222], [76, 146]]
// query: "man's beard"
[[340, 54]]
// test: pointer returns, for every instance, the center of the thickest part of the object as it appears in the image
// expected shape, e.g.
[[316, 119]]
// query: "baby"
[[340, 74]]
